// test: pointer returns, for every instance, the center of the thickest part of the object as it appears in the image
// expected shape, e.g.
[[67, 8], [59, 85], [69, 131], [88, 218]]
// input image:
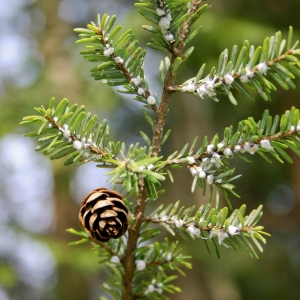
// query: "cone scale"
[[104, 215]]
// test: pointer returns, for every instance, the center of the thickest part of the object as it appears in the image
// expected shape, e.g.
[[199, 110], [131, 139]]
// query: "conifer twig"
[[161, 114], [162, 110]]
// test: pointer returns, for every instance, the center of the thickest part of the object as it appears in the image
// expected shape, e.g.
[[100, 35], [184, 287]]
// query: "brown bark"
[[161, 114], [128, 260]]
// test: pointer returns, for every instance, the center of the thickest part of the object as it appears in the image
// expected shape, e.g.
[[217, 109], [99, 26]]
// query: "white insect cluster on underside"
[[207, 88], [137, 81], [79, 143], [154, 287], [165, 21]]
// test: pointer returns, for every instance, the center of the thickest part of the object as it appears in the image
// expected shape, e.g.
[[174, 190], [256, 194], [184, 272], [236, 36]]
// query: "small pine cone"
[[104, 214]]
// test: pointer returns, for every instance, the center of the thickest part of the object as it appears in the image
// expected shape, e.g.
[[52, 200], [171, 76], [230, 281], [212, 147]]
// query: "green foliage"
[[232, 231], [169, 17], [68, 131], [248, 68], [209, 166], [109, 255], [121, 60], [158, 257], [71, 131]]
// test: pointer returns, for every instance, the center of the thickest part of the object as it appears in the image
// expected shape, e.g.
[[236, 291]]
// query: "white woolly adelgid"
[[216, 155], [248, 74], [262, 68], [190, 87], [191, 160], [194, 170], [141, 91], [168, 256], [237, 148], [194, 230], [169, 37], [77, 145], [233, 230], [151, 100], [165, 21], [266, 144], [220, 146], [222, 235], [201, 173], [150, 289], [213, 232], [201, 90], [251, 147], [160, 12], [210, 179], [65, 132], [137, 80], [227, 152], [216, 159], [140, 265], [207, 88], [210, 149], [119, 60], [179, 223], [108, 51], [228, 79], [115, 259], [154, 287]]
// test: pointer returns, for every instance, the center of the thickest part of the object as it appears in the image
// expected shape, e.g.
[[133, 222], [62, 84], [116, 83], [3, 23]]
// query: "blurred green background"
[[39, 200]]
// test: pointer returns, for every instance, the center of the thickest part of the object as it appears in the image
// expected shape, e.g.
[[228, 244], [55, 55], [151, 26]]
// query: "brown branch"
[[93, 149], [128, 261], [186, 225], [274, 137], [122, 67], [162, 110], [178, 88]]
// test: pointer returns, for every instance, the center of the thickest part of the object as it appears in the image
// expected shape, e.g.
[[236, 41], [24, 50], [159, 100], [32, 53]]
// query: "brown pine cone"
[[104, 214]]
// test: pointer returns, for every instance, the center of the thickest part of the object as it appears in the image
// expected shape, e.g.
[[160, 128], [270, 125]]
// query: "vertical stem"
[[162, 110], [128, 260], [161, 113]]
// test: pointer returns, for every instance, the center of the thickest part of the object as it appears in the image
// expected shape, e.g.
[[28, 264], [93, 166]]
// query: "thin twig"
[[162, 110]]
